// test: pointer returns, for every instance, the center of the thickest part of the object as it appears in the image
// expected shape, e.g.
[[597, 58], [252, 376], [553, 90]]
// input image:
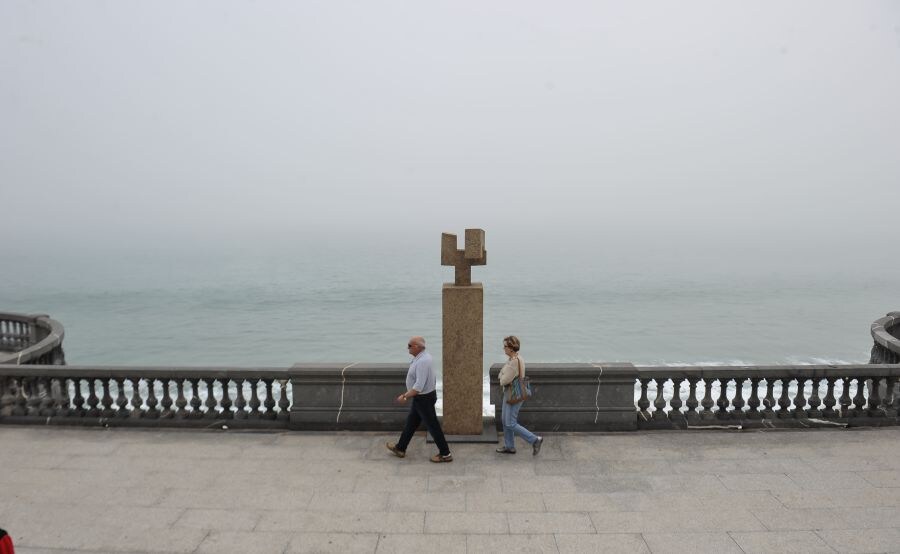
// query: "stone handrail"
[[357, 396], [608, 397], [145, 396], [30, 339], [886, 335], [768, 396], [305, 396], [574, 397]]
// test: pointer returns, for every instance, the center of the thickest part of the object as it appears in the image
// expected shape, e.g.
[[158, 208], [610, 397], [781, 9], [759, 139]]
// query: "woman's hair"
[[512, 341]]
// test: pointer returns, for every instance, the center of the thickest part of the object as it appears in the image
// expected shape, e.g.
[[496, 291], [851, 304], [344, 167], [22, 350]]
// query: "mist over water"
[[361, 300], [227, 182]]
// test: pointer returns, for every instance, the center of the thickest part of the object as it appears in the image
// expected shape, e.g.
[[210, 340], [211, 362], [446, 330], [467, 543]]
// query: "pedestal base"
[[463, 314]]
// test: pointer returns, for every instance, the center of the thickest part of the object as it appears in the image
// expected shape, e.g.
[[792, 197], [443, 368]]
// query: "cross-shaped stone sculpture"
[[463, 334], [473, 254]]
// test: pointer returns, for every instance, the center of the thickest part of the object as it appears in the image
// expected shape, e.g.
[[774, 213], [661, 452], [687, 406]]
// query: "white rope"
[[597, 394], [343, 382]]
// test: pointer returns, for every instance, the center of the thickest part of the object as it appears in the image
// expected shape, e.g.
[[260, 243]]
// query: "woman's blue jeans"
[[511, 426]]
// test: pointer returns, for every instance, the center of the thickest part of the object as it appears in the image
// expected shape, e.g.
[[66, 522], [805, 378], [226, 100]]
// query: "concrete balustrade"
[[360, 396], [30, 339]]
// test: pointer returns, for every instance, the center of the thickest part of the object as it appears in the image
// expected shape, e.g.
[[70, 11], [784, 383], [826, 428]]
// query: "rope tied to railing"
[[343, 382], [597, 394]]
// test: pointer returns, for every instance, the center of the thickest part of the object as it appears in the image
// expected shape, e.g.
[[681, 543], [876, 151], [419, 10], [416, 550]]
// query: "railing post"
[[643, 401], [692, 416], [874, 407], [707, 401], [226, 399], [675, 415], [800, 399], [753, 402], [784, 402], [659, 403], [814, 401], [722, 403]]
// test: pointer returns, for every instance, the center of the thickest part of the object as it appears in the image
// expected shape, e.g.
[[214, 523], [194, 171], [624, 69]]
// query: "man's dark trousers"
[[422, 409]]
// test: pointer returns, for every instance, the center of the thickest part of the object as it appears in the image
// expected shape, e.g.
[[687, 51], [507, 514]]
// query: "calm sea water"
[[248, 307]]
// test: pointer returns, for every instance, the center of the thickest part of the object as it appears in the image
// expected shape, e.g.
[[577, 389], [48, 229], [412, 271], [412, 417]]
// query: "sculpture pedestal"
[[463, 358]]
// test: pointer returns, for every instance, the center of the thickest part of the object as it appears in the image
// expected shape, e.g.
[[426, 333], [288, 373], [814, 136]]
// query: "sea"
[[360, 300]]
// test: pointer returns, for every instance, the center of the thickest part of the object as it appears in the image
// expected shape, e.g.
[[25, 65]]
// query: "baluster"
[[20, 407], [226, 400], [675, 414], [753, 402], [7, 400], [887, 402], [210, 400], [166, 402], [830, 401], [180, 402], [707, 401], [240, 403], [59, 392], [77, 409], [874, 407], [107, 400], [643, 401], [45, 408], [93, 399], [136, 401], [769, 400], [283, 402], [814, 401], [800, 399], [785, 401], [195, 399], [254, 399], [659, 403], [859, 400], [270, 400], [738, 402], [33, 405], [152, 401], [692, 415], [722, 403], [895, 393], [121, 399], [845, 398]]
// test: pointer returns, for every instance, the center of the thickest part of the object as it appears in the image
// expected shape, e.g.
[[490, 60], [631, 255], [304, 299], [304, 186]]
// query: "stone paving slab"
[[133, 490]]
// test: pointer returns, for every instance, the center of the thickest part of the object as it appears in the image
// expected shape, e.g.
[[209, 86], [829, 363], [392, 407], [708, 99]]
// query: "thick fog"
[[748, 127]]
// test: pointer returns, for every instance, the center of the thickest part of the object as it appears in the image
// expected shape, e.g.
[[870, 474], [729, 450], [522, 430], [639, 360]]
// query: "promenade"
[[116, 490]]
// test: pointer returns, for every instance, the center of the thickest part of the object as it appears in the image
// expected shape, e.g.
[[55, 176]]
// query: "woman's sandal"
[[504, 450]]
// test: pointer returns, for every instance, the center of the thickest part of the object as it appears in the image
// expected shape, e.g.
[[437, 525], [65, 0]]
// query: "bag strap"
[[521, 375]]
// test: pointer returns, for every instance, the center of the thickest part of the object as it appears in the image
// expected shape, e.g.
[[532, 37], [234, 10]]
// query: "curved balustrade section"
[[886, 335], [145, 396], [767, 396], [30, 339]]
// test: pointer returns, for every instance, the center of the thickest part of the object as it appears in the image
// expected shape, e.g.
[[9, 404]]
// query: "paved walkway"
[[212, 491]]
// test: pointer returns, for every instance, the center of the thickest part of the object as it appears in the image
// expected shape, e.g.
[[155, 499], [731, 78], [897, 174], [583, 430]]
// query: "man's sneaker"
[[536, 447], [504, 450], [437, 458], [396, 451]]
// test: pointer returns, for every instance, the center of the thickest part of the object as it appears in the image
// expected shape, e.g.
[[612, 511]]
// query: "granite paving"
[[139, 490]]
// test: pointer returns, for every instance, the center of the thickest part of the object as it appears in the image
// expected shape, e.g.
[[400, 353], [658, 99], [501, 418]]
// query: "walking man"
[[421, 383]]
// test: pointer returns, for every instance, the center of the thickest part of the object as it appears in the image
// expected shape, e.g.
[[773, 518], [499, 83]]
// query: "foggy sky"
[[669, 123]]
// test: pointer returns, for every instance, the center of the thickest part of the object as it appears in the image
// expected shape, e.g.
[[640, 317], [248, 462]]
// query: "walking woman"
[[515, 367]]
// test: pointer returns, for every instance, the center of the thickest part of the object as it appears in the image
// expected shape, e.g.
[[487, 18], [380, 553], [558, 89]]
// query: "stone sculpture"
[[463, 335]]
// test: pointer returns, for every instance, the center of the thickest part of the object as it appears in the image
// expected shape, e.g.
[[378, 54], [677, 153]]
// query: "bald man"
[[421, 383]]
